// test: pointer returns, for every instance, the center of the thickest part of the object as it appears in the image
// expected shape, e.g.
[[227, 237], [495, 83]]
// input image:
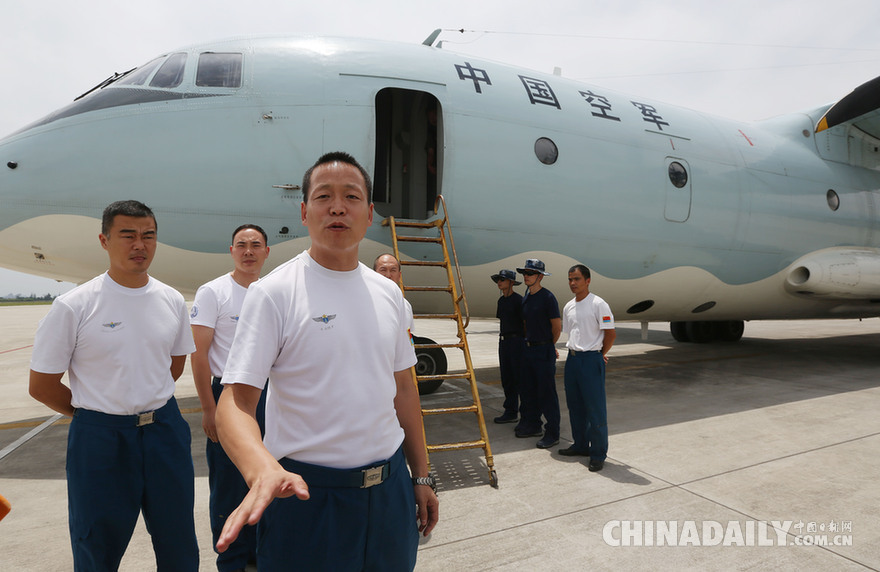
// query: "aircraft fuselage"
[[680, 215]]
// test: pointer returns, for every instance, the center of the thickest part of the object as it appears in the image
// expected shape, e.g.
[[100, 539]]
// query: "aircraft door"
[[677, 207], [408, 153]]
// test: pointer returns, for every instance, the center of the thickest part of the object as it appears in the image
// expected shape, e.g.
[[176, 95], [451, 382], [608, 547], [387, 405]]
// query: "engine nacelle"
[[846, 273]]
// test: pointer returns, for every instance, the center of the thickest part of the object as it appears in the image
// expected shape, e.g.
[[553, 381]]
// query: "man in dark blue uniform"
[[511, 343], [543, 325]]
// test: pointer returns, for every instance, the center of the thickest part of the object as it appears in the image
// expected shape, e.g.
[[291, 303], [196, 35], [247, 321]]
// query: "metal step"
[[459, 345], [437, 263], [435, 316], [427, 289], [456, 446], [430, 239], [414, 223], [445, 410]]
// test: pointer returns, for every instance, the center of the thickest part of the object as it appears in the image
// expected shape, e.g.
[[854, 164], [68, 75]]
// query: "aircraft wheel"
[[430, 361], [679, 331], [701, 332], [731, 331]]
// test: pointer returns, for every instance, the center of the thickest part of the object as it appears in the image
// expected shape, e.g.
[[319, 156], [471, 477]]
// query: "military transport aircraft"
[[682, 217]]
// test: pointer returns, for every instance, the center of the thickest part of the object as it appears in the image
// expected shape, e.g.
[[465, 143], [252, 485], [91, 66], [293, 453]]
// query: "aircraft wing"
[[861, 108]]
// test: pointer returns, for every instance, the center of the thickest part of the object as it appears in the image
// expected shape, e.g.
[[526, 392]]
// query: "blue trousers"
[[341, 528], [228, 488], [510, 353], [115, 470], [585, 397], [538, 391]]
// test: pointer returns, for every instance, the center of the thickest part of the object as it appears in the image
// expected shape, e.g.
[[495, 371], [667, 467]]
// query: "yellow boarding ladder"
[[441, 233]]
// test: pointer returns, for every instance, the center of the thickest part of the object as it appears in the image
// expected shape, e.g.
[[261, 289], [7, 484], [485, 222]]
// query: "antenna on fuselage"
[[429, 41]]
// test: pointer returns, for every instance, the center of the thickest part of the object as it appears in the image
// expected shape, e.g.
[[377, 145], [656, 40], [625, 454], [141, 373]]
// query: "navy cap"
[[506, 275], [534, 265]]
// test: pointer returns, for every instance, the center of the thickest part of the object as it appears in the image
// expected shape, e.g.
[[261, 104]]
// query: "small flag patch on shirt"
[[606, 319]]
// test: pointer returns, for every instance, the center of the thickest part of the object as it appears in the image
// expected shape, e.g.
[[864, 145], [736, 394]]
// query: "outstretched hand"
[[278, 484]]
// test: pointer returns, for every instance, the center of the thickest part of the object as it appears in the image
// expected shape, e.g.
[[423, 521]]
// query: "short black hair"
[[130, 208], [342, 157], [585, 272], [256, 227]]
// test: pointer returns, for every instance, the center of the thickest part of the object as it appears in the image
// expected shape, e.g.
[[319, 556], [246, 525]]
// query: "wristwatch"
[[429, 481]]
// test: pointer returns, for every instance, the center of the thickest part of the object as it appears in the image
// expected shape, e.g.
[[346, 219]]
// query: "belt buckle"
[[145, 418], [372, 476]]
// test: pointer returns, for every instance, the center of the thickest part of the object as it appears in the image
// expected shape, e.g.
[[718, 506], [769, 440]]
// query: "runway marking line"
[[17, 349]]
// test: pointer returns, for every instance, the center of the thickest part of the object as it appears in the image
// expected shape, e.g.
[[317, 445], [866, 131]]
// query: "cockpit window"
[[219, 70], [140, 75], [171, 73]]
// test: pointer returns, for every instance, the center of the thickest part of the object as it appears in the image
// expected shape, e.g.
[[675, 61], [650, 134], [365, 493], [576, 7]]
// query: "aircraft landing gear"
[[431, 361], [706, 332]]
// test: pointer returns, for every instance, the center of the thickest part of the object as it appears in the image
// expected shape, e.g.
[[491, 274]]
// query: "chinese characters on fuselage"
[[540, 92]]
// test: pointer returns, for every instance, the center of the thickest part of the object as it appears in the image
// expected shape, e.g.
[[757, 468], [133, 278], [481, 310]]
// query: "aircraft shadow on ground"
[[667, 384]]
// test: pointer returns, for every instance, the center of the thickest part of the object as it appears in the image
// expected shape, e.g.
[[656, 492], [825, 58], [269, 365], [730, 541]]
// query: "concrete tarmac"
[[761, 454]]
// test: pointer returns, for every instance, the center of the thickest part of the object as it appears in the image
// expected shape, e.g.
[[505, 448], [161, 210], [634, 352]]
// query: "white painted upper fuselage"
[[751, 234]]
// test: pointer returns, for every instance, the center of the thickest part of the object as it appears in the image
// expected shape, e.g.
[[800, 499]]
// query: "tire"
[[707, 332], [679, 331], [731, 331], [701, 332], [430, 361]]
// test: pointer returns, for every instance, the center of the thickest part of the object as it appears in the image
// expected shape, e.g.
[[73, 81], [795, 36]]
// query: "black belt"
[[139, 420], [533, 344], [510, 336], [580, 353], [360, 478]]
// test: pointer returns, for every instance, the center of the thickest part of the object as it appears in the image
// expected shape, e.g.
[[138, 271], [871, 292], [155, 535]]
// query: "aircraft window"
[[546, 151], [171, 72], [140, 75], [678, 175], [219, 70], [833, 200]]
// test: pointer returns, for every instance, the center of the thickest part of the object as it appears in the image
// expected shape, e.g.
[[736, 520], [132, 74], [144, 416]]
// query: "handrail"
[[396, 250], [441, 201]]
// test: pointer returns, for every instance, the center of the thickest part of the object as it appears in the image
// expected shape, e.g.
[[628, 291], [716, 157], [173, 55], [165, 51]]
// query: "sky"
[[747, 60]]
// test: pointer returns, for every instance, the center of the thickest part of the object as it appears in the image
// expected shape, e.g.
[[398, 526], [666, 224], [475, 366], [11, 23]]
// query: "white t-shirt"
[[217, 305], [329, 342], [584, 321], [115, 343], [410, 320]]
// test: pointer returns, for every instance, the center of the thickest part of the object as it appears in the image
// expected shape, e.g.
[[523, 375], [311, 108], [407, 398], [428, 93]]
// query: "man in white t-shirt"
[[213, 318], [588, 321], [123, 338], [343, 417], [389, 266]]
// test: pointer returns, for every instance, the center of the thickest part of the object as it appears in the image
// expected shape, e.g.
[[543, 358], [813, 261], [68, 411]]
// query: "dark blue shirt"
[[510, 313], [538, 309]]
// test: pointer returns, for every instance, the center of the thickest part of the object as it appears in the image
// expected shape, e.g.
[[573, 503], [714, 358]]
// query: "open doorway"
[[409, 153]]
